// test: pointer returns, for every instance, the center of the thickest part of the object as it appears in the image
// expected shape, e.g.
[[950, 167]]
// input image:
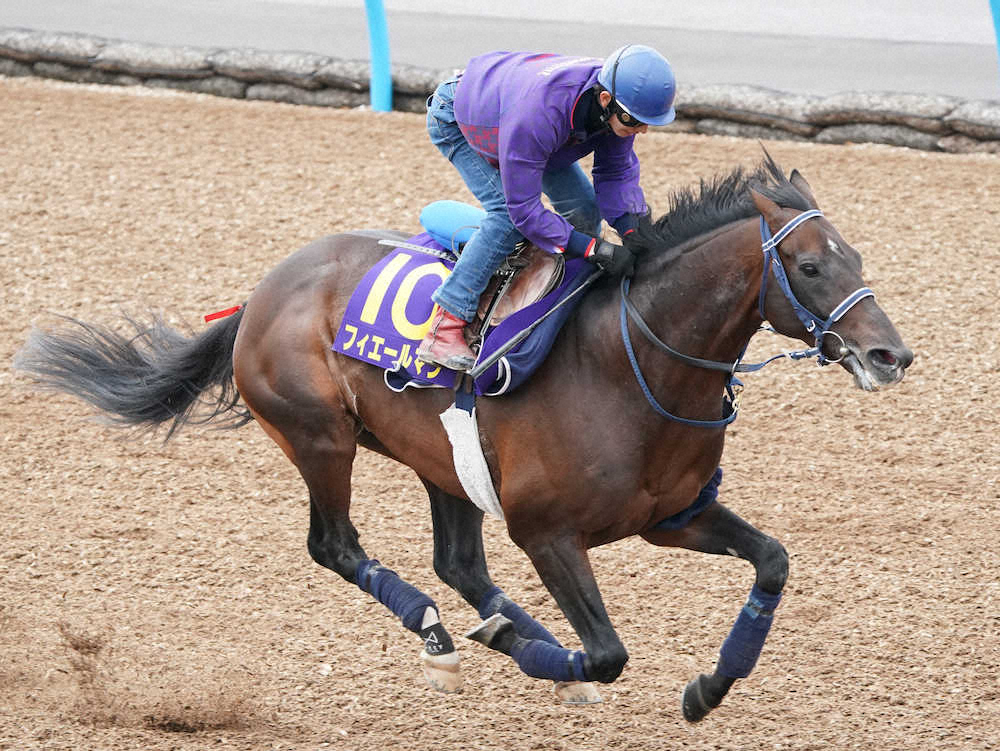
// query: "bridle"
[[815, 325]]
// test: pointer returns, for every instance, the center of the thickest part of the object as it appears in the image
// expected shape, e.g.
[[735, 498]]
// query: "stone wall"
[[929, 122]]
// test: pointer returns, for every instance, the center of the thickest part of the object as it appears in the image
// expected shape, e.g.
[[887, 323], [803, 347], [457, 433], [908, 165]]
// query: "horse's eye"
[[809, 269]]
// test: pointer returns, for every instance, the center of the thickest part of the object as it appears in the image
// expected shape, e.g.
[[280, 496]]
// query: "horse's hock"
[[927, 122]]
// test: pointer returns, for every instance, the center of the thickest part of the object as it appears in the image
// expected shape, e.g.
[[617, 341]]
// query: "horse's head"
[[824, 278]]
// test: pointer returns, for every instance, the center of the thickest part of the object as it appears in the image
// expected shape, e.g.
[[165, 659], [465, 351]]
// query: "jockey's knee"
[[772, 568], [503, 231], [605, 665]]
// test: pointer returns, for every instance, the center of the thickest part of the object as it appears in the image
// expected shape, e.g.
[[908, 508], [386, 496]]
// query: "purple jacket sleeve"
[[527, 143], [528, 137], [616, 178]]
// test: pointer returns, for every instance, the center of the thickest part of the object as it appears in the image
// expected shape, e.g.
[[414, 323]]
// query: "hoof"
[[442, 672], [577, 692], [487, 631], [694, 703]]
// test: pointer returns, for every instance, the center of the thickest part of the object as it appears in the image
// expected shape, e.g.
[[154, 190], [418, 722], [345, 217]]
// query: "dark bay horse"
[[619, 433]]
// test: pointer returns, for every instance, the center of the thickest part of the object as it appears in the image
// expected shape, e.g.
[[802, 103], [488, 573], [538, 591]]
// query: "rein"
[[813, 324], [733, 386]]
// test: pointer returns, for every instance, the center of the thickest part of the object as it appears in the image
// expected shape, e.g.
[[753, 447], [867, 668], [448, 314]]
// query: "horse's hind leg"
[[460, 562], [719, 531], [333, 543], [321, 442]]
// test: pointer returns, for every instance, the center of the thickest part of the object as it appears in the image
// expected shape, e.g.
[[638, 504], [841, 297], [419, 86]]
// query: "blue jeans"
[[569, 190]]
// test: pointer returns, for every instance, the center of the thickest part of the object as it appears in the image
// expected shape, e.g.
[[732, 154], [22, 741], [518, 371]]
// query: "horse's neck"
[[702, 300]]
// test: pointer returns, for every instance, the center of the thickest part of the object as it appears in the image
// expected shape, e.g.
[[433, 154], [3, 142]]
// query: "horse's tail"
[[152, 376]]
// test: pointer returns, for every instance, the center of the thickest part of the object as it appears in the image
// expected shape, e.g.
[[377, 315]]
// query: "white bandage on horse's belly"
[[470, 464]]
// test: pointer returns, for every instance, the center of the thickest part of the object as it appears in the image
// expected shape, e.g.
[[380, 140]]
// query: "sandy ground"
[[160, 596]]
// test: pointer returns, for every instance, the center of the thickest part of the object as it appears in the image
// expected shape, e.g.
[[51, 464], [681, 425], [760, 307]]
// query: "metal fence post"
[[381, 69]]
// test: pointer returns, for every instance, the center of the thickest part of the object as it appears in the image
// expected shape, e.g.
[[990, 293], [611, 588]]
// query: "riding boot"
[[445, 344]]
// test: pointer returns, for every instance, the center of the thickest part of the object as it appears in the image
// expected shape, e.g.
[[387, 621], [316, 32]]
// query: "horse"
[[618, 433]]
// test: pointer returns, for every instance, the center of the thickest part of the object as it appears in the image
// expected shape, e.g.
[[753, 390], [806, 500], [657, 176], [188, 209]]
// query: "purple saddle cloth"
[[391, 308]]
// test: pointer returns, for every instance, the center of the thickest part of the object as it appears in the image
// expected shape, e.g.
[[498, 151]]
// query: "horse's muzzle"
[[878, 367]]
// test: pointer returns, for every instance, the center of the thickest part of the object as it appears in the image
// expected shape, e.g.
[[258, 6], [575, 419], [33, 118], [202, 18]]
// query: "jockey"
[[514, 125]]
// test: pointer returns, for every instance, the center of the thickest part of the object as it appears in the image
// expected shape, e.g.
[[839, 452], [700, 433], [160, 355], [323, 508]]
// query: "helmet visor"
[[629, 120]]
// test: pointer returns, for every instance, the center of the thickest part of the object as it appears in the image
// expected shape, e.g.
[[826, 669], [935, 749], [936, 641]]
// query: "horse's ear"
[[768, 208], [800, 184]]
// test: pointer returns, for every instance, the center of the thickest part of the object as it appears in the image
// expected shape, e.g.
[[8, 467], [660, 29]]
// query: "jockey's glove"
[[616, 260]]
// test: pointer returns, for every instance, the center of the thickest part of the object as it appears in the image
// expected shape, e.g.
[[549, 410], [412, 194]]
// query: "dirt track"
[[161, 597]]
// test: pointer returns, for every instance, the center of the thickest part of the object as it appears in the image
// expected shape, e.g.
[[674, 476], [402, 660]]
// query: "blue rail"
[[995, 7], [378, 39]]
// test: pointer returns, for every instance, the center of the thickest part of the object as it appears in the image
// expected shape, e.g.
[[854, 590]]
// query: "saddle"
[[525, 277], [526, 304]]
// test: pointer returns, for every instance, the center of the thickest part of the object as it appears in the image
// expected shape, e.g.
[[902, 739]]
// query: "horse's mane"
[[714, 203]]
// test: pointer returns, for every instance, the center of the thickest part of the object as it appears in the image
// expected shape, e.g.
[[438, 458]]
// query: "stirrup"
[[459, 363]]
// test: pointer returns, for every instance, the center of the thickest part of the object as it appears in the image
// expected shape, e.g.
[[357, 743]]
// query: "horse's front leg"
[[564, 568], [719, 531]]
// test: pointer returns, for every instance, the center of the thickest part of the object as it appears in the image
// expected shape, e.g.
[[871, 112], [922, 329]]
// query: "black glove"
[[616, 260]]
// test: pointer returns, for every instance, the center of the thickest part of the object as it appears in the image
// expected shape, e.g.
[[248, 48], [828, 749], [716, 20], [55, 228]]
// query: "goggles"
[[625, 117]]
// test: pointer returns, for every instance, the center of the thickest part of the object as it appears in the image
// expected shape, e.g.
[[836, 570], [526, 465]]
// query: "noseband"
[[816, 326]]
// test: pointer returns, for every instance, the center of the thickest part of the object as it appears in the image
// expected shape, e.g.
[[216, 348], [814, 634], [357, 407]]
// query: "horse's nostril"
[[890, 360]]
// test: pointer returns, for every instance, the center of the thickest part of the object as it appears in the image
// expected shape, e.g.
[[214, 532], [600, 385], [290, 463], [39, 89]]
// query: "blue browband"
[[814, 325]]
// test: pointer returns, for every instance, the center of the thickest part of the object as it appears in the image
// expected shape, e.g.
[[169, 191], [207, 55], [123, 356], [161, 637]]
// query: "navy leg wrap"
[[495, 601], [540, 659], [403, 599], [742, 647]]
